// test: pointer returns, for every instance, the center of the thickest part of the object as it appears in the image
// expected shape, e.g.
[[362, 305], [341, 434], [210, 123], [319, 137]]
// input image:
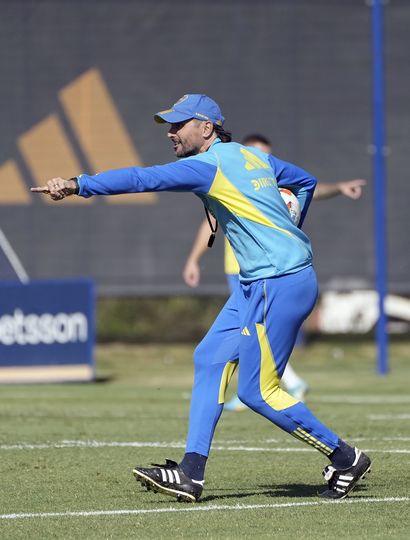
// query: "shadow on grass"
[[281, 490], [296, 490], [104, 379], [269, 491], [97, 380]]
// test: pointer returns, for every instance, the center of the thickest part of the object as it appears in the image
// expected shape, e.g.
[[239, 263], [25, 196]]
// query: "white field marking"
[[400, 416], [291, 441], [286, 440], [136, 444], [180, 444], [90, 416], [359, 400], [90, 444], [384, 439], [201, 508], [73, 414], [254, 440], [333, 398], [111, 416], [133, 444]]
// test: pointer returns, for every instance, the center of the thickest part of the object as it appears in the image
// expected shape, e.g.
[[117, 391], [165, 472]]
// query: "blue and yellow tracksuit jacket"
[[238, 184]]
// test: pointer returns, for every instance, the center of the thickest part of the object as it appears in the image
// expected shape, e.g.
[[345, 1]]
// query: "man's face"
[[189, 138]]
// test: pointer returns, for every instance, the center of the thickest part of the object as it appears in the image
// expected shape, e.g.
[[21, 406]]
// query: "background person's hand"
[[352, 188], [192, 273]]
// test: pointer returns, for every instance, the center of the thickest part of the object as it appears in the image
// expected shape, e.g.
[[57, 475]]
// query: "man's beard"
[[183, 151], [188, 153]]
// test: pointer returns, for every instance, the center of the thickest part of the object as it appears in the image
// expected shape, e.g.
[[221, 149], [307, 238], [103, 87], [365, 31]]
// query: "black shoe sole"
[[337, 498], [151, 485]]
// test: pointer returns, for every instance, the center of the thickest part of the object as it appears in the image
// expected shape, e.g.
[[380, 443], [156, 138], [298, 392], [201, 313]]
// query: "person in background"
[[291, 381]]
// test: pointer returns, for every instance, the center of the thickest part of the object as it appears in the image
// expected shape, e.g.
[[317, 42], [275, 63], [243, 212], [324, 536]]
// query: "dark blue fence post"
[[379, 174]]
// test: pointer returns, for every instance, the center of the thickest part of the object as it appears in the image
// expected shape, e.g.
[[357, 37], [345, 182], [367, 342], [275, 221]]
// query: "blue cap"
[[190, 106]]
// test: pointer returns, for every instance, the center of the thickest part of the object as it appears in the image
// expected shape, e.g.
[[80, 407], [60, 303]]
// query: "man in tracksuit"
[[278, 289]]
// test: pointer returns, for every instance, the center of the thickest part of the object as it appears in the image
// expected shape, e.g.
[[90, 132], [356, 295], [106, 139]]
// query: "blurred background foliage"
[[160, 319]]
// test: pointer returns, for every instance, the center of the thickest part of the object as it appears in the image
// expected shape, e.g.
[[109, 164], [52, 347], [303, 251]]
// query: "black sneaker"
[[171, 480], [342, 481]]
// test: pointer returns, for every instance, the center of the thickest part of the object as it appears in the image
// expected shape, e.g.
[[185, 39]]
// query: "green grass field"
[[67, 452]]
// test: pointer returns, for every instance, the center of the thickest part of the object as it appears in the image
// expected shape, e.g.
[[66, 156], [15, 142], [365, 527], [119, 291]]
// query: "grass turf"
[[60, 452]]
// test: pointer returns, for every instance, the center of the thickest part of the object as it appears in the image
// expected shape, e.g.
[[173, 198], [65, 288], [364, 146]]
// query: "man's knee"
[[209, 355], [256, 399], [204, 356], [251, 397]]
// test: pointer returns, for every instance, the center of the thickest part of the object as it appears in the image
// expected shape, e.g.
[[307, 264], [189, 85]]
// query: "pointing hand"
[[58, 188]]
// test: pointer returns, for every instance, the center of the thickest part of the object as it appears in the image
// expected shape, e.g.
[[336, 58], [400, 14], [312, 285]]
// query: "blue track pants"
[[258, 327]]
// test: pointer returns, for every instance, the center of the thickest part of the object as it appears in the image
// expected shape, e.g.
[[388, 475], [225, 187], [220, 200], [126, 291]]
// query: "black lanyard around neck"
[[213, 229]]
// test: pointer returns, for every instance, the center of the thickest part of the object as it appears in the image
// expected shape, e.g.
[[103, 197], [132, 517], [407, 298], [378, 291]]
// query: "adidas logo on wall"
[[47, 151]]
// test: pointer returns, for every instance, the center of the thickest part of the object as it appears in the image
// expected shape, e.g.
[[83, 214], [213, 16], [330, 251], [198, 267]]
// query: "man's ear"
[[207, 129]]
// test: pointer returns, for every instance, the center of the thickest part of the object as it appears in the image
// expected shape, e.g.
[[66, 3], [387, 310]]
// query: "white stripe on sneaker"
[[177, 478], [164, 476], [170, 476], [341, 483]]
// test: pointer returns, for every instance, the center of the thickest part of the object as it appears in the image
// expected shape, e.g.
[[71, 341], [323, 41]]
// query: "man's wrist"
[[77, 185]]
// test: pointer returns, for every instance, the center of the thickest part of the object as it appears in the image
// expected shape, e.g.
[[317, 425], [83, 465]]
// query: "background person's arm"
[[350, 188]]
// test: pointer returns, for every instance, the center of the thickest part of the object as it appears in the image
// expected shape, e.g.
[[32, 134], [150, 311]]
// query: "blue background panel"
[[47, 323]]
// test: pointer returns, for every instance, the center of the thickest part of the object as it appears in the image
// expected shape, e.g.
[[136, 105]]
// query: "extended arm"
[[192, 174], [349, 188]]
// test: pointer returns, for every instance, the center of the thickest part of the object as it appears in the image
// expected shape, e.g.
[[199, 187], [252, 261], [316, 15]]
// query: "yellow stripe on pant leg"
[[271, 392], [308, 437], [314, 439], [227, 373], [318, 445]]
